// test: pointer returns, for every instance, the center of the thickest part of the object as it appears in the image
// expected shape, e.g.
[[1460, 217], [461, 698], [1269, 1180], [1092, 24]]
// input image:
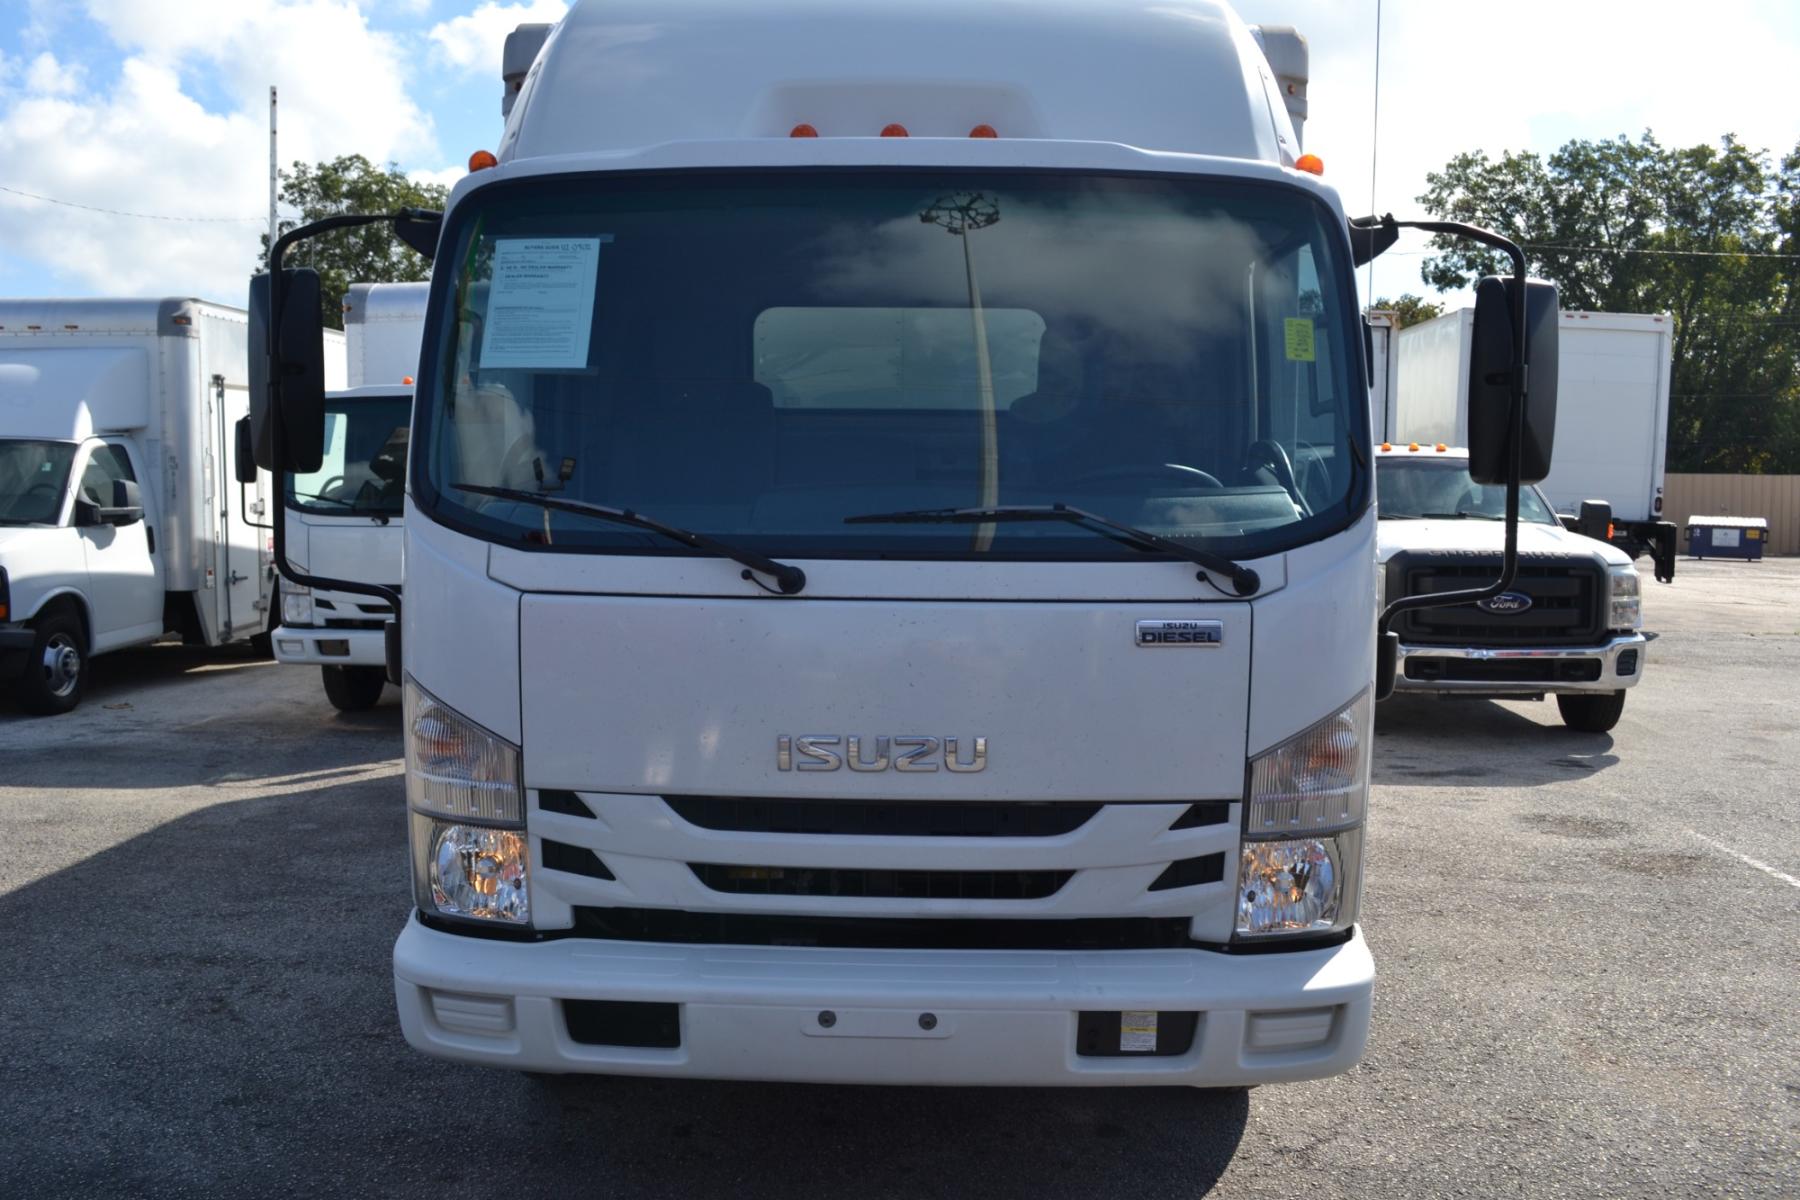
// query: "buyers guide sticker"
[[1137, 1031], [541, 302], [1300, 340]]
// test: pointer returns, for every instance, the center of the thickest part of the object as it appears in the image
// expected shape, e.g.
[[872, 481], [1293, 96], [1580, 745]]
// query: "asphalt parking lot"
[[1589, 955]]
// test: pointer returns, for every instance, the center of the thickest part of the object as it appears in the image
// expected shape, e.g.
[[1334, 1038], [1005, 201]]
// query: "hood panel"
[[357, 550], [1489, 537], [690, 695]]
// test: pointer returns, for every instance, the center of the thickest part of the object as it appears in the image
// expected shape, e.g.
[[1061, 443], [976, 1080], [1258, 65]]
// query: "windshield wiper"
[[1459, 516], [1243, 579], [349, 504], [788, 578]]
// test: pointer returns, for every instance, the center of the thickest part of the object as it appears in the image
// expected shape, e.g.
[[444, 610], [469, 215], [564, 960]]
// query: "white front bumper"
[[998, 1017], [313, 646]]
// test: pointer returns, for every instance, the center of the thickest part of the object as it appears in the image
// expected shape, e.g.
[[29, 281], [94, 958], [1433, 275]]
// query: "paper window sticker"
[[540, 303], [1299, 341]]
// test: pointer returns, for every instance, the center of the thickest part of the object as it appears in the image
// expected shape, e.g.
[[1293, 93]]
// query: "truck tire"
[[55, 673], [1591, 712], [353, 689]]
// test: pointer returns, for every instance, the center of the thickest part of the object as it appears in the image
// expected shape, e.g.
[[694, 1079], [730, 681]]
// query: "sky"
[[162, 109]]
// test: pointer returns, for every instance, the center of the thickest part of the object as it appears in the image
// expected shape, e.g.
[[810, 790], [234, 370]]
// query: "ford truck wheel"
[[56, 670], [353, 689], [1591, 712]]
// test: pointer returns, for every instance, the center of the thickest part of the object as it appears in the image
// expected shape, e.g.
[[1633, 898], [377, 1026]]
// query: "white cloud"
[[472, 43], [141, 141], [444, 176]]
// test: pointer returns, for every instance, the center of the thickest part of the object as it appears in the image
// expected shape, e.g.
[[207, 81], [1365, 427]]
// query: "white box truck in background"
[[344, 520], [119, 517], [890, 553], [1612, 421]]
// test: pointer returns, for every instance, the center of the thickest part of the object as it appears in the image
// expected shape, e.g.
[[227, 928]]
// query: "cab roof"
[[1183, 76]]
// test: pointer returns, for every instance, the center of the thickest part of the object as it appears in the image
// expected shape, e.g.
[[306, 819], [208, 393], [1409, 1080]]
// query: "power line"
[[1625, 250], [116, 212]]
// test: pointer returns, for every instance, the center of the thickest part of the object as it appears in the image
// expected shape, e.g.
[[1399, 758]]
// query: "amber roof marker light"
[[803, 130], [1312, 164], [984, 131], [894, 130], [481, 160]]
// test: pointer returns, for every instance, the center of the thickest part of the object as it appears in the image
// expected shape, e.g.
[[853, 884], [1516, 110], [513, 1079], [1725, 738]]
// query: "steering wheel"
[[325, 488], [1177, 472], [1272, 454]]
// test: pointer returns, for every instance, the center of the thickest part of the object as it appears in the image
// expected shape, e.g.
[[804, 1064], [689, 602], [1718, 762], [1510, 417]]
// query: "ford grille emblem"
[[1506, 604]]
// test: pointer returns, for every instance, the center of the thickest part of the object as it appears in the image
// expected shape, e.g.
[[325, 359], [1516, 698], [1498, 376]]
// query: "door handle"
[[235, 578]]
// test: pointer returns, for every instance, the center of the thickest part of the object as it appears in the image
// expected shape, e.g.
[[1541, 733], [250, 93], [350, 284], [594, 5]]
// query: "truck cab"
[[1568, 627], [344, 520], [890, 553]]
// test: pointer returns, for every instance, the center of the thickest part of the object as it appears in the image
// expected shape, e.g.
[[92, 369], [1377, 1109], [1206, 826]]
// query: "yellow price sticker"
[[1300, 340]]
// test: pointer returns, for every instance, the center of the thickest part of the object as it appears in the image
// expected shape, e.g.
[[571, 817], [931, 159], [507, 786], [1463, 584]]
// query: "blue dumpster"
[[1727, 537]]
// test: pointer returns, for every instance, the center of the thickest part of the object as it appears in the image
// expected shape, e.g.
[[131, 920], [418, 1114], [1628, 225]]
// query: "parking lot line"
[[1764, 867]]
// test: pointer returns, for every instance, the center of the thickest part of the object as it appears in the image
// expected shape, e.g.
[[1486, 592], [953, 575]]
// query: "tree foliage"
[[1709, 234], [1410, 309], [368, 254]]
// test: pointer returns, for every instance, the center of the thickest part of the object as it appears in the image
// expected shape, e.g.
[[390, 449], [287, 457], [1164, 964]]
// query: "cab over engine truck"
[[890, 553], [344, 518]]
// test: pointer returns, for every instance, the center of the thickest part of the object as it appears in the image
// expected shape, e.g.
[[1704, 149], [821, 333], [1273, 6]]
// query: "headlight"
[[1624, 609], [469, 851], [472, 871], [296, 604], [1300, 866]]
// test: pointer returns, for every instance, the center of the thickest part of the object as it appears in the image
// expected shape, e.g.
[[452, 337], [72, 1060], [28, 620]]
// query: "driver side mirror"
[[126, 508], [244, 457], [293, 359], [1491, 351]]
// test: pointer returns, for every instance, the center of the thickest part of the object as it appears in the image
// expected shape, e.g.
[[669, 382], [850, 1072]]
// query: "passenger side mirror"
[[292, 358], [126, 508], [1491, 353], [244, 456]]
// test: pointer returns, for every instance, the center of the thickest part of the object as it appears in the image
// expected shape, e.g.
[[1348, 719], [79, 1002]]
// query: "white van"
[[119, 520]]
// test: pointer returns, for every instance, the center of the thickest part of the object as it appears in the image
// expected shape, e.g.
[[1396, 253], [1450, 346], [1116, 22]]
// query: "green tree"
[[1634, 226], [1410, 309], [368, 254]]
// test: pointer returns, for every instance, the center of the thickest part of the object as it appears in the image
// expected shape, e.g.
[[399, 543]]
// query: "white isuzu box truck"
[[119, 519], [344, 519], [890, 553], [1612, 428]]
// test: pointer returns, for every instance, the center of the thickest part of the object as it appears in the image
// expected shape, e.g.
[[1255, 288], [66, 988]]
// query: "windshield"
[[1418, 488], [760, 359], [363, 472], [33, 478]]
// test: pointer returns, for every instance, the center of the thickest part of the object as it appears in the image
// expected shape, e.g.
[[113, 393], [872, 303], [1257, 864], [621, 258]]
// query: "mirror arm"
[[277, 299], [1387, 643]]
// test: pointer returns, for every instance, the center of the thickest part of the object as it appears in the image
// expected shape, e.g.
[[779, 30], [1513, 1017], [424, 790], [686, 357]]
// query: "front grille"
[[880, 933], [353, 623], [872, 884], [1567, 597], [1517, 670], [865, 818]]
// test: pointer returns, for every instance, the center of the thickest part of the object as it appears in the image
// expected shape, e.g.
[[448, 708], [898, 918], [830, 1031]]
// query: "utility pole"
[[274, 172]]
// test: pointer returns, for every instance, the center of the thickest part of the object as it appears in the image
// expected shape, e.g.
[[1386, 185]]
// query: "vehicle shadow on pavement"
[[111, 675], [1479, 743], [215, 995]]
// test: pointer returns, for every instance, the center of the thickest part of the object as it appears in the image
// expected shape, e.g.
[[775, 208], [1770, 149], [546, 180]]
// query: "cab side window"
[[107, 463]]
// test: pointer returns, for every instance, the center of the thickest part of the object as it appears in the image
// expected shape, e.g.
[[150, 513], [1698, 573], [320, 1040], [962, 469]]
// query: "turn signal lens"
[[481, 160], [454, 767], [1312, 164], [1315, 782]]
